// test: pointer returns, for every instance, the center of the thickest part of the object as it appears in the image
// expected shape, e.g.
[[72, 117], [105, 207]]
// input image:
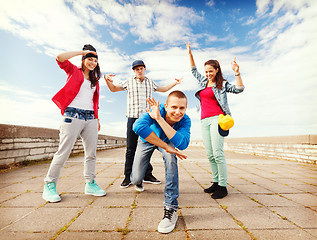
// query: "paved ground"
[[268, 199]]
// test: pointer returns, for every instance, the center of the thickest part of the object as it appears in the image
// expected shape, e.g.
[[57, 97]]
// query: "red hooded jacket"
[[75, 79]]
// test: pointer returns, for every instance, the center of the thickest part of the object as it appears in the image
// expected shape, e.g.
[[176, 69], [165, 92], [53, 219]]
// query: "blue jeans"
[[213, 142], [142, 160]]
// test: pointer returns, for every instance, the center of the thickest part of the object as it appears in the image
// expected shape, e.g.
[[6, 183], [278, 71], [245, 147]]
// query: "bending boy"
[[165, 128]]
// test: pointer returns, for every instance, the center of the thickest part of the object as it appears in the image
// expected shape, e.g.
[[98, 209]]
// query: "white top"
[[84, 98]]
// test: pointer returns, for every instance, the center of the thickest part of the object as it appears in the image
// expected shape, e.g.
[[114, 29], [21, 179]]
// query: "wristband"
[[238, 74]]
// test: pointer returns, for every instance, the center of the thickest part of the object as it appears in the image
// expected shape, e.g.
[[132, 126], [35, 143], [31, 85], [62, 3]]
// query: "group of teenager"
[[150, 126]]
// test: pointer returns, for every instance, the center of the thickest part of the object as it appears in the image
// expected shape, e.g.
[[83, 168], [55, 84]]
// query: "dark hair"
[[94, 75], [219, 78], [178, 94]]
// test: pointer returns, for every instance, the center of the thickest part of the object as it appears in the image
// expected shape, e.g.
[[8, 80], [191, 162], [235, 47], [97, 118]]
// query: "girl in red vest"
[[78, 101]]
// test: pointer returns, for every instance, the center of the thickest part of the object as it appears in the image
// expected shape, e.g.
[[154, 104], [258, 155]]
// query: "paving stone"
[[150, 199], [10, 215], [304, 199], [25, 200], [278, 234], [224, 234], [115, 199], [45, 219], [26, 235], [237, 200], [89, 235], [252, 188], [143, 235], [188, 200], [301, 216], [207, 218], [259, 218], [272, 200], [104, 219]]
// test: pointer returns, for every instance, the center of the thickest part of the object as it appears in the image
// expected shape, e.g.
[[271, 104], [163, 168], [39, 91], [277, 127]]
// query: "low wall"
[[301, 148], [20, 143]]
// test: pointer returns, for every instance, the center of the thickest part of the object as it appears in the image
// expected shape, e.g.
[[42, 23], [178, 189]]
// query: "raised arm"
[[191, 58], [111, 86], [236, 68], [62, 57], [169, 86]]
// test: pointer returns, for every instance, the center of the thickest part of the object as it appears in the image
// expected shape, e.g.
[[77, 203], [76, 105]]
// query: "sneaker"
[[139, 187], [151, 179], [169, 220], [212, 188], [126, 182], [50, 194], [94, 189], [221, 192]]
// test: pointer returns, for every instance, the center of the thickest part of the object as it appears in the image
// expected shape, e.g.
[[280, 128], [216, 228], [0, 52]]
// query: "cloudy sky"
[[275, 42]]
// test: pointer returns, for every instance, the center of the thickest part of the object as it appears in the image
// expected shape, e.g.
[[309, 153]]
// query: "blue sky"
[[275, 42]]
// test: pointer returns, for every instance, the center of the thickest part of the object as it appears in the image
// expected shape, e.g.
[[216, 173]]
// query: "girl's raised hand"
[[235, 66], [188, 48]]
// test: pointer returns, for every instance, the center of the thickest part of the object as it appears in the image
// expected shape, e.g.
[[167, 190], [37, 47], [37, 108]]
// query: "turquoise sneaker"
[[94, 189], [50, 194]]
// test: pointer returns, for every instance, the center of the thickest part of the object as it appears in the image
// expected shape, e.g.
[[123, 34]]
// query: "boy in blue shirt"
[[165, 128]]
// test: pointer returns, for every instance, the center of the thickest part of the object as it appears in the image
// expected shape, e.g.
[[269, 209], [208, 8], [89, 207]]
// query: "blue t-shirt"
[[145, 125]]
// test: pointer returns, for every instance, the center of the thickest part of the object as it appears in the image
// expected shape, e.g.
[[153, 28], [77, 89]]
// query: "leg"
[[69, 131], [206, 129], [171, 191], [217, 149], [132, 140], [141, 161], [89, 136]]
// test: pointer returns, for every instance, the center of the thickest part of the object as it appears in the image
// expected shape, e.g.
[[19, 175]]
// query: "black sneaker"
[[151, 179], [139, 187], [126, 182], [221, 192], [212, 188]]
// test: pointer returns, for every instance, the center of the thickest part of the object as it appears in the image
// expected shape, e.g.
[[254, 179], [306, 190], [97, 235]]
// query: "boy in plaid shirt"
[[139, 89]]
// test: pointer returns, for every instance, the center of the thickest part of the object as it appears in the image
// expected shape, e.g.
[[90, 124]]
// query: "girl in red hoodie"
[[78, 101]]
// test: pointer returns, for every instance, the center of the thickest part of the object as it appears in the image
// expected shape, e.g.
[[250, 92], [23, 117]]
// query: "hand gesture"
[[108, 77], [178, 81], [172, 150], [188, 48], [155, 113], [235, 66]]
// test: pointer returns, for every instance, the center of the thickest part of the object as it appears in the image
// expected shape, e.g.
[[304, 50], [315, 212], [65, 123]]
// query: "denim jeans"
[[213, 142], [142, 160], [132, 141]]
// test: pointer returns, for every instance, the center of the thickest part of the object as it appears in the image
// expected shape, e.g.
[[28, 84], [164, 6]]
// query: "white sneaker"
[[169, 220]]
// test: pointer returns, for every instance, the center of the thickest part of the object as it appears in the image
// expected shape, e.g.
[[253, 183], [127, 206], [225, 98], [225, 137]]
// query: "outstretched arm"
[[152, 138], [169, 86], [111, 86], [62, 57], [191, 58], [236, 68]]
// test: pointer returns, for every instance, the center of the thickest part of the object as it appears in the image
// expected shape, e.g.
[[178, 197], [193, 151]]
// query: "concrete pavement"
[[268, 199]]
